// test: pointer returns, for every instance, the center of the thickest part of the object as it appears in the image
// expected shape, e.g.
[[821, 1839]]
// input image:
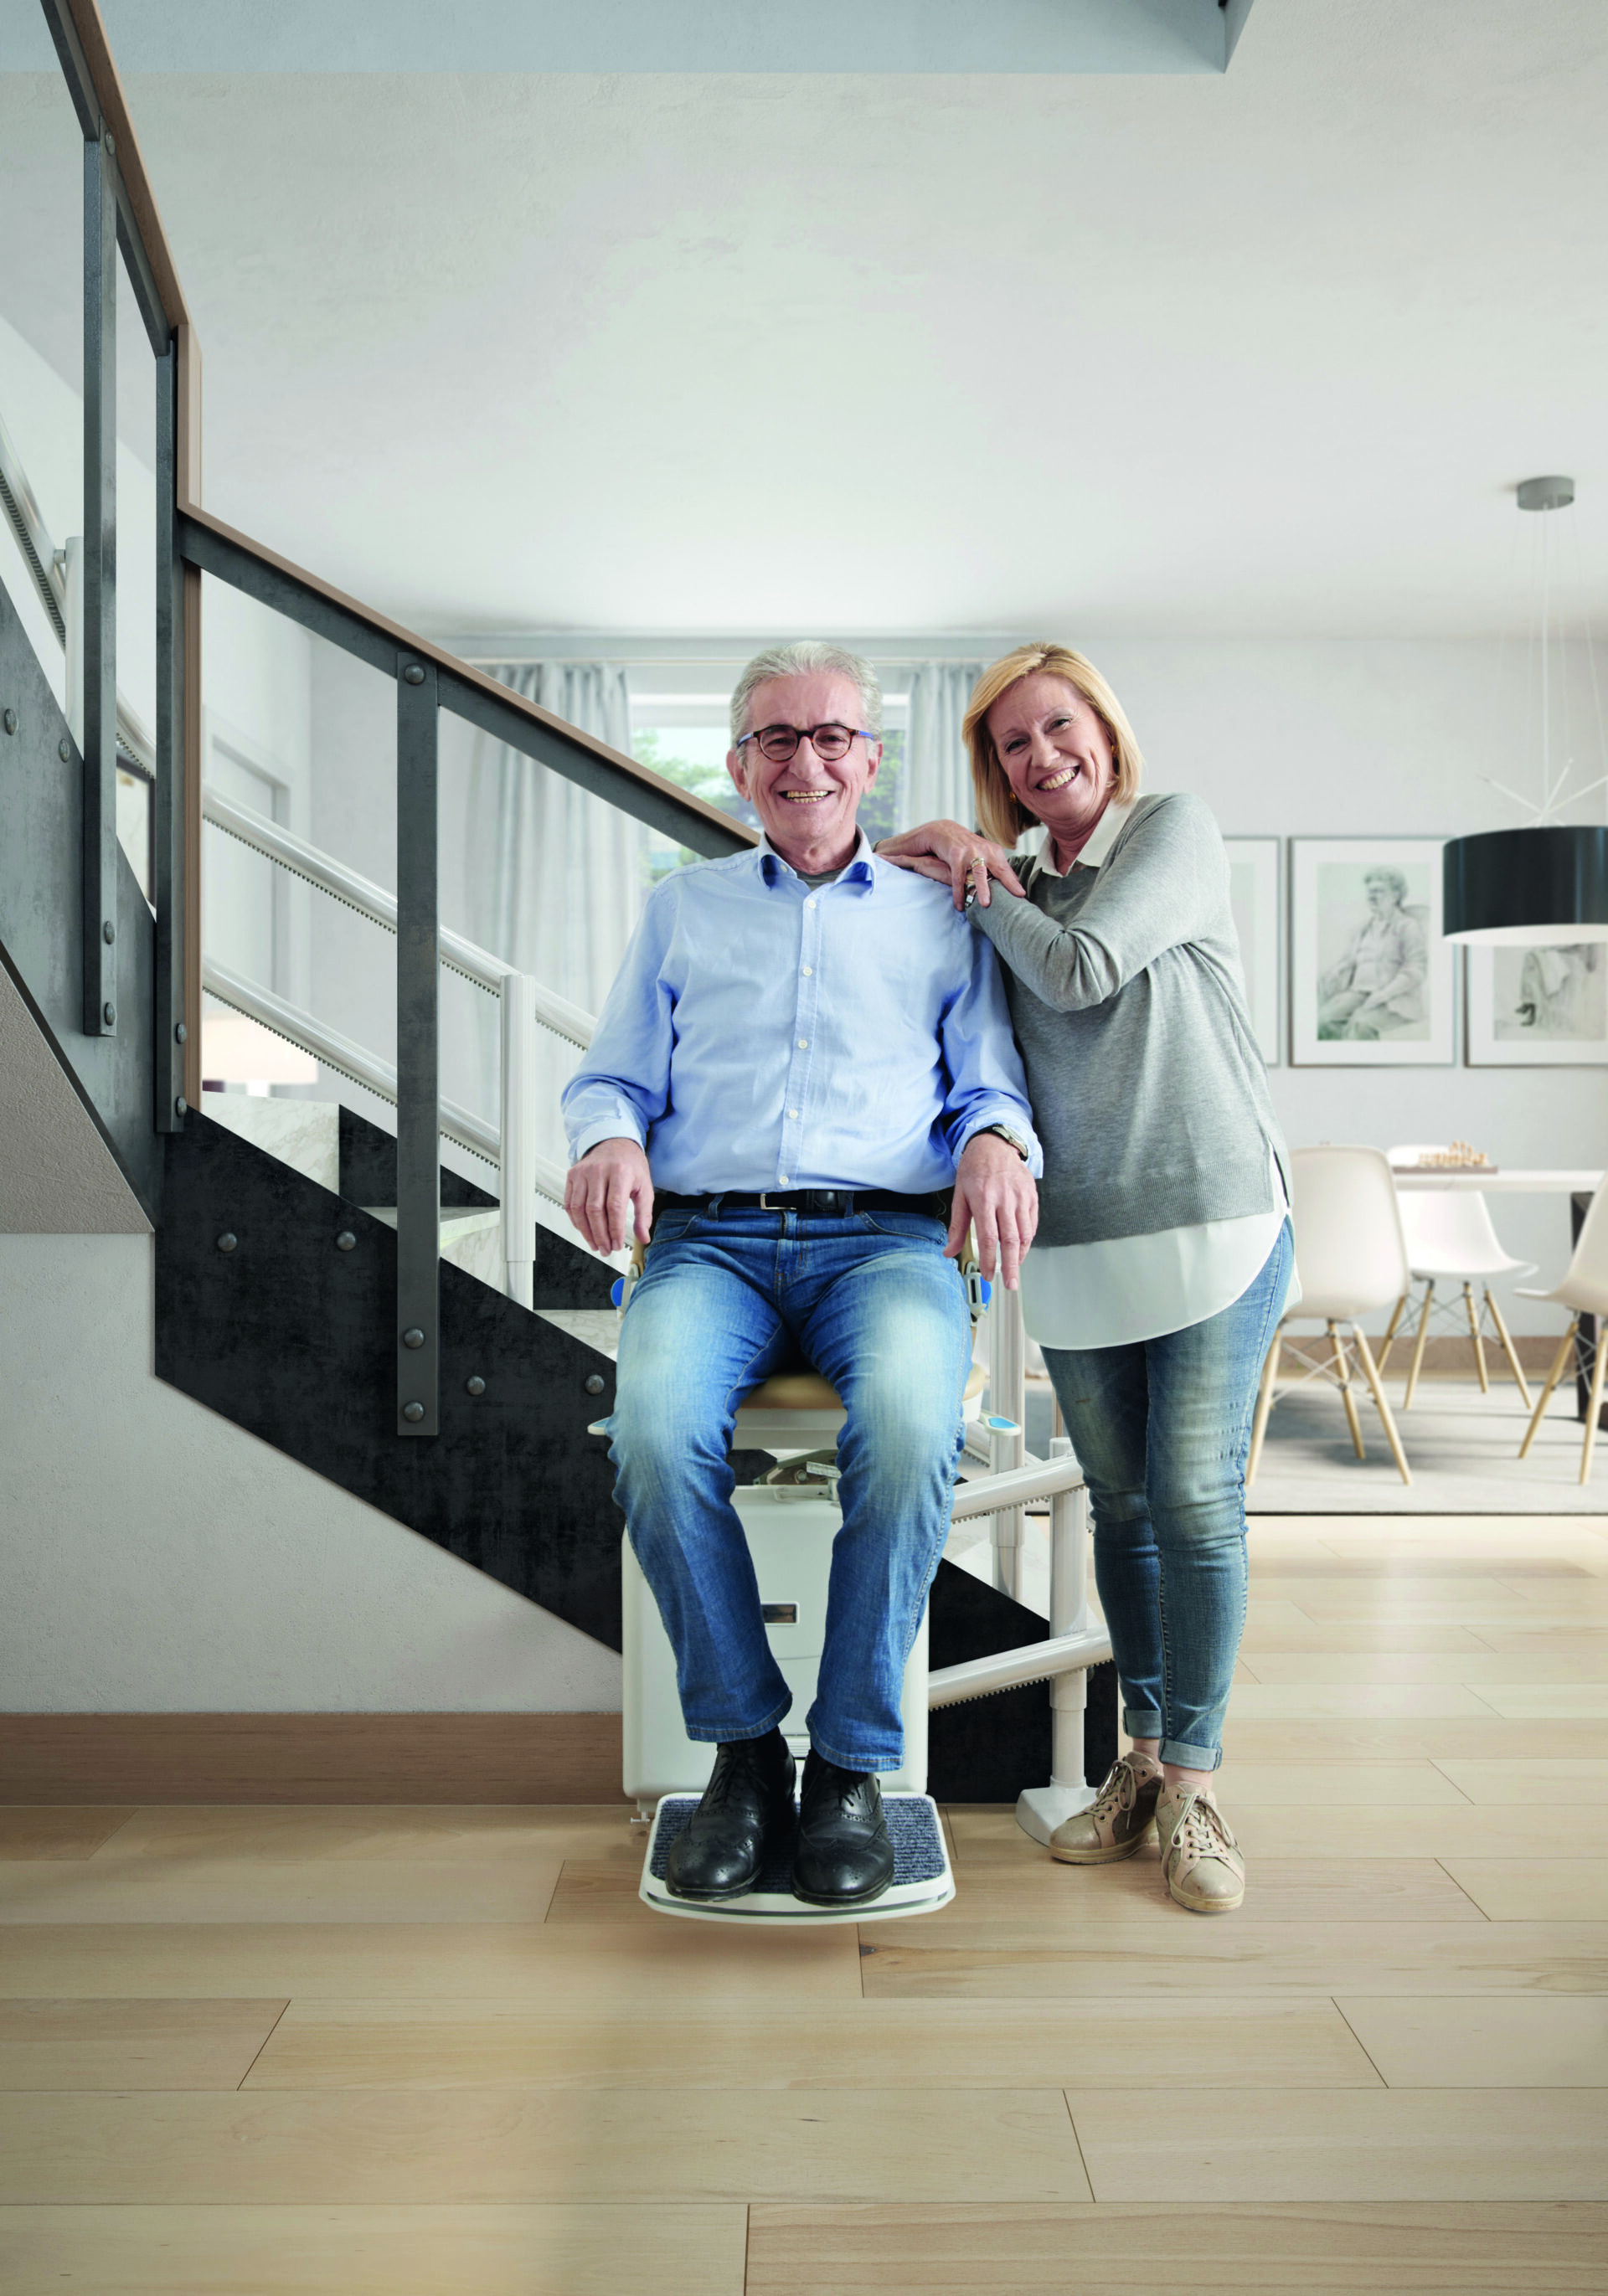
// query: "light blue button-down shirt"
[[761, 1033]]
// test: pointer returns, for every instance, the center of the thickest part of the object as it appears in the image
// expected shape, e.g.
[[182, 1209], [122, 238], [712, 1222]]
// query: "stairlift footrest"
[[922, 1879], [1041, 1810]]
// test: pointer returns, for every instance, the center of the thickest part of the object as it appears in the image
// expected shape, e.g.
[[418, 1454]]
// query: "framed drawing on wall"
[[1256, 889], [1372, 982], [1539, 1007]]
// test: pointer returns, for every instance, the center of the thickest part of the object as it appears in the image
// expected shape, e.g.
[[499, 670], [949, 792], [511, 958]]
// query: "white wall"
[[158, 1560]]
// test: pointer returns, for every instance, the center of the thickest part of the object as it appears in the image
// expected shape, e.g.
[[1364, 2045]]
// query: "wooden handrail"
[[374, 637], [131, 166]]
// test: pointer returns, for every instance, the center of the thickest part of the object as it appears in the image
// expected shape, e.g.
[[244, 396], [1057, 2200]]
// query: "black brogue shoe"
[[843, 1856], [747, 1802]]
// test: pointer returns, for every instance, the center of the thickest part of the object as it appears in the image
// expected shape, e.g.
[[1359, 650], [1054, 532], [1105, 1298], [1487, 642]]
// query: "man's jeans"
[[1160, 1429], [727, 1298]]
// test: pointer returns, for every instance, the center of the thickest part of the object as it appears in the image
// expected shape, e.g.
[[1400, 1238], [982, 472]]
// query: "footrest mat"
[[922, 1879]]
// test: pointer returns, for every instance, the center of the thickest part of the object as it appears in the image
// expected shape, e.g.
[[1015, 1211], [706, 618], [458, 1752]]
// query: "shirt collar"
[[858, 870], [1107, 830]]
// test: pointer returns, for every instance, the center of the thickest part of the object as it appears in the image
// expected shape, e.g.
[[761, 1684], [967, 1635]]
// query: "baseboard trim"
[[114, 1759]]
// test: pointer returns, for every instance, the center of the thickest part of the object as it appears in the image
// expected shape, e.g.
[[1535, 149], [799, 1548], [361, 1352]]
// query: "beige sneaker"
[[1202, 1863], [1120, 1819]]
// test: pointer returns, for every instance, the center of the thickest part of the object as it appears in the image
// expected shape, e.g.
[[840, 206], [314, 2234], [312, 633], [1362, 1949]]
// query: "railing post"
[[1008, 1401], [168, 798], [518, 1136], [1068, 1615], [100, 627], [1041, 1810], [1006, 1448], [418, 1054]]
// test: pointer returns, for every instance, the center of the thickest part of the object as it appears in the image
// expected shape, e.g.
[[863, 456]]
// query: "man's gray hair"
[[797, 660]]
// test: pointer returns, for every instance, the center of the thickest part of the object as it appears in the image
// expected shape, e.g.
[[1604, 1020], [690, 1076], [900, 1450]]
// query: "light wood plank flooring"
[[340, 2052]]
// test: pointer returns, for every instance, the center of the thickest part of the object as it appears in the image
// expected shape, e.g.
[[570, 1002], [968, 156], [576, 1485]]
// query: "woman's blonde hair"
[[999, 812]]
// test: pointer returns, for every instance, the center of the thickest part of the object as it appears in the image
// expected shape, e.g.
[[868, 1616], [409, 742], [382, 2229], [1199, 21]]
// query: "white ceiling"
[[1261, 352]]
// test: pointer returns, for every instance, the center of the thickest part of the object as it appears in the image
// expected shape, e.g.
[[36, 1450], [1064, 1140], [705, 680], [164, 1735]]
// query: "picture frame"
[[1373, 981], [1256, 887], [1540, 1007]]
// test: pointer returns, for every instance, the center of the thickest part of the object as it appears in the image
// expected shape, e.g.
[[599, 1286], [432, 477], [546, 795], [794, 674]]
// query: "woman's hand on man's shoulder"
[[961, 859]]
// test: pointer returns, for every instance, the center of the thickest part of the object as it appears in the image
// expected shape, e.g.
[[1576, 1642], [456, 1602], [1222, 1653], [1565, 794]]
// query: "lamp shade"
[[1522, 888]]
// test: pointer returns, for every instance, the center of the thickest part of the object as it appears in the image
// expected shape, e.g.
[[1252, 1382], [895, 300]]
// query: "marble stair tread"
[[304, 1134], [456, 1220], [597, 1328]]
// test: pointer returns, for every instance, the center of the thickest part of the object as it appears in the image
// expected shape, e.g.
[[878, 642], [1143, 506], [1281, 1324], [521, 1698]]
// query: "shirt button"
[[783, 1177], [808, 971], [792, 1112], [810, 903], [803, 1044]]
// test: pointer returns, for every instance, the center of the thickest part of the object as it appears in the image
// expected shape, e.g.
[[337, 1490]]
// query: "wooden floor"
[[383, 2052]]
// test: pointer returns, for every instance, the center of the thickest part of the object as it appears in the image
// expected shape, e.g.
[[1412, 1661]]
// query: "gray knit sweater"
[[1148, 1091]]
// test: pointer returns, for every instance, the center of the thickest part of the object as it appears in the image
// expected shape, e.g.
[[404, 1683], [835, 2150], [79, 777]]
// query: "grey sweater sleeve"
[[1164, 884]]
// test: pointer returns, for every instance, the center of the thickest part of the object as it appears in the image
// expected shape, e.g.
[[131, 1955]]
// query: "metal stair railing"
[[121, 218]]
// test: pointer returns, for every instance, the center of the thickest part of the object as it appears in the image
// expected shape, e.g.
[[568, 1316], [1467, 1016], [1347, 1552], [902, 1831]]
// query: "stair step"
[[472, 1240], [304, 1134]]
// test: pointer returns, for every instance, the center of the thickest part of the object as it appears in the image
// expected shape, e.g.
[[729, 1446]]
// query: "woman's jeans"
[[727, 1298], [1160, 1429]]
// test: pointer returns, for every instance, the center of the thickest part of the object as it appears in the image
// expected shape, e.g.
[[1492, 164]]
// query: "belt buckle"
[[765, 1204]]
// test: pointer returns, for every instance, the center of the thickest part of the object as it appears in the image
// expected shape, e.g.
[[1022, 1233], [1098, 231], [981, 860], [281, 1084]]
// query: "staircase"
[[437, 1349]]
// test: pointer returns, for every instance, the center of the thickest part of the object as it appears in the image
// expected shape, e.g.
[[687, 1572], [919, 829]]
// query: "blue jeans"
[[1160, 1429], [728, 1297]]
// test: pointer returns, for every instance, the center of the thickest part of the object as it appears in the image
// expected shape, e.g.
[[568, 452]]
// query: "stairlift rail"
[[380, 908]]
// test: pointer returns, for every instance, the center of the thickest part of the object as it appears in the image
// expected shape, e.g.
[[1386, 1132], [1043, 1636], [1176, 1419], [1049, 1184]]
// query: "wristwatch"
[[1003, 1132]]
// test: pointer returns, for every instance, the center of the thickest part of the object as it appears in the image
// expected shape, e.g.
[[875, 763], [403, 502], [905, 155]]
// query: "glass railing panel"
[[42, 335]]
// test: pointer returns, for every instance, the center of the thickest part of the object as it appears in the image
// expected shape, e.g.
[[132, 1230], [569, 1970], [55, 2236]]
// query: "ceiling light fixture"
[[1547, 882]]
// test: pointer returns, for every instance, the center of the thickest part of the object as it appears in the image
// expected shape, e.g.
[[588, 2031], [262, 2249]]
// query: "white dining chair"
[[1585, 1289], [1351, 1257], [1450, 1239]]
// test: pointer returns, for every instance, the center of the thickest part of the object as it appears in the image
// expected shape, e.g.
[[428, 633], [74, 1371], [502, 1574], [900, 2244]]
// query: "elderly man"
[[805, 1064]]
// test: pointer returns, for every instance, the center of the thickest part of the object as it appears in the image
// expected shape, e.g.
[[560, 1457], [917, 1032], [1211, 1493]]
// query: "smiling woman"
[[1163, 1255]]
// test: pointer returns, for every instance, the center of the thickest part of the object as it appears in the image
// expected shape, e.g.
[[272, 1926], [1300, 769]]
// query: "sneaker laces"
[[1201, 1830], [1121, 1790]]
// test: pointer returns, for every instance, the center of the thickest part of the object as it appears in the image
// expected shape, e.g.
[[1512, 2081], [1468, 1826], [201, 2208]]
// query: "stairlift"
[[791, 1519]]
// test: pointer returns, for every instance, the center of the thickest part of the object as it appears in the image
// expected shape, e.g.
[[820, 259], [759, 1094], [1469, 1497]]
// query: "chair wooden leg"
[[1423, 1334], [1508, 1349], [1342, 1374], [1474, 1333], [1552, 1377], [1398, 1315], [1266, 1390], [1599, 1365], [1371, 1372]]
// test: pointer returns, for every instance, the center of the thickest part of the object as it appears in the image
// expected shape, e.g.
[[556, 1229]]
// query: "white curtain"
[[554, 877], [937, 778]]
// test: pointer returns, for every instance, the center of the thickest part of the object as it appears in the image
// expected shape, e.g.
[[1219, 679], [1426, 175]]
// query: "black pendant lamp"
[[1549, 882]]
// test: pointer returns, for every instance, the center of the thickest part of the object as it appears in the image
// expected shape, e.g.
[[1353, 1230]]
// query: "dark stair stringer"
[[290, 1337]]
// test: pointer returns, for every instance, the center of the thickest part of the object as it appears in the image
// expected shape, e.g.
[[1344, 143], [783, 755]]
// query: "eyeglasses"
[[781, 742]]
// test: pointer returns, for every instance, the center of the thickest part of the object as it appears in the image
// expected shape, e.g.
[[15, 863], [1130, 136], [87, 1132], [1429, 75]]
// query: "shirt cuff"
[[1012, 1121], [605, 1127]]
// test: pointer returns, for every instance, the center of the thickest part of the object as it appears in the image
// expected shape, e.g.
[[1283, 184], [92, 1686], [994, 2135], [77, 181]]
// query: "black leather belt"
[[823, 1203]]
